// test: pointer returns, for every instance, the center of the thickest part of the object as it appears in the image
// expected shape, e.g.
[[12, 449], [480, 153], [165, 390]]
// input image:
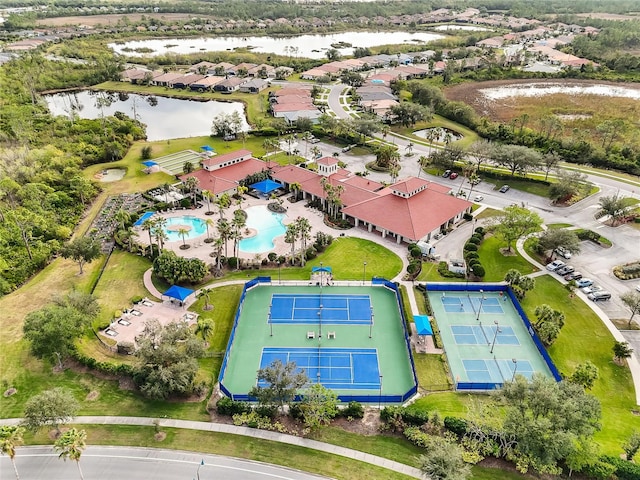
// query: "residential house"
[[229, 85], [255, 85]]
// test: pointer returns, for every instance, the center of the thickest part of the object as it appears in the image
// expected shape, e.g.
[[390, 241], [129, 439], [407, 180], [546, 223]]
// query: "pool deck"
[[200, 249]]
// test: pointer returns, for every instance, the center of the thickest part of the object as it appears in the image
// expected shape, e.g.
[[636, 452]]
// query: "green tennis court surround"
[[352, 339]]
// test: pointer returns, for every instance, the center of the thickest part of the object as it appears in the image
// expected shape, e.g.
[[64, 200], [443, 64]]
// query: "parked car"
[[446, 173], [555, 265], [573, 276], [347, 148], [597, 296], [314, 140], [584, 282], [475, 181], [638, 287], [453, 175], [478, 198], [504, 188], [564, 270], [563, 252], [591, 289]]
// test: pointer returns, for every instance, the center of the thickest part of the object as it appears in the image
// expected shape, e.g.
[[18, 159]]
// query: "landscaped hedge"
[[456, 425], [104, 367], [624, 470], [226, 406]]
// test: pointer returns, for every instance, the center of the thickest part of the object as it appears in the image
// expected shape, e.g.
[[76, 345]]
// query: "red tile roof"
[[413, 217], [208, 181], [327, 161], [225, 157]]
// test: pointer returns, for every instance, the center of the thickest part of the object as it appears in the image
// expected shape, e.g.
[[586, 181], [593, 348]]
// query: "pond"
[[111, 175], [551, 88], [165, 118], [309, 46]]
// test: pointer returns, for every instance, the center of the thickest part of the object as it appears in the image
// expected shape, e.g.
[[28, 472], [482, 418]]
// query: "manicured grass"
[[469, 136], [406, 304], [449, 403], [496, 264], [345, 256], [604, 242], [620, 176], [487, 213], [120, 282], [394, 448], [554, 226], [429, 273], [419, 296], [431, 372], [234, 446], [584, 337], [516, 183]]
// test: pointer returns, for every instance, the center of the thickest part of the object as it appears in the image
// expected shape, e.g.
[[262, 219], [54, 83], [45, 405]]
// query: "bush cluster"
[[443, 270], [104, 367], [471, 256], [229, 407], [408, 416]]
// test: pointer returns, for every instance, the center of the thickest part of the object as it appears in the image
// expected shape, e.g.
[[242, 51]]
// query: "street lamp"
[[320, 322], [279, 278], [198, 470], [515, 368], [364, 272], [371, 324], [380, 394], [480, 307], [495, 335], [320, 276], [270, 325]]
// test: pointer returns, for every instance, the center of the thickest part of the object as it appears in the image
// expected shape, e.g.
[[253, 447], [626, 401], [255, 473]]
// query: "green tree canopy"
[[282, 380], [553, 238], [319, 406], [51, 407], [515, 222], [81, 250]]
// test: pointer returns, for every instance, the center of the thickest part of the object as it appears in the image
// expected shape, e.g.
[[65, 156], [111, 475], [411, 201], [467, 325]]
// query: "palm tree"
[[409, 149], [304, 230], [10, 438], [218, 243], [192, 184], [149, 225], [122, 217], [290, 236], [206, 195], [241, 191], [223, 203], [295, 187], [422, 162], [183, 232], [209, 223], [159, 233], [204, 293], [224, 230], [70, 445], [205, 327]]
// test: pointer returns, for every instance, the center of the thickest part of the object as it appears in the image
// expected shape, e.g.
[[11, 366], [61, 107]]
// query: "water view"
[[310, 46], [165, 118], [550, 88], [465, 28]]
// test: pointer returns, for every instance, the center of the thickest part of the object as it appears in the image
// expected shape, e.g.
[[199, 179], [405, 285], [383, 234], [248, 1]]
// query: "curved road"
[[134, 463]]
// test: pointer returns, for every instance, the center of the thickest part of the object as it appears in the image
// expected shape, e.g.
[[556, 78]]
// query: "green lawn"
[[346, 256], [553, 226], [431, 372], [240, 447], [429, 273], [496, 264], [582, 338], [487, 213], [516, 183]]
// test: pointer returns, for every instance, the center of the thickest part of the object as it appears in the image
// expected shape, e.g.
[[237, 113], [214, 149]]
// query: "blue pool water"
[[196, 226], [268, 225]]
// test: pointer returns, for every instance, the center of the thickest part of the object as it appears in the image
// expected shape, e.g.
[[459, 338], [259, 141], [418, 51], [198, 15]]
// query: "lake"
[[165, 118], [566, 87], [309, 46]]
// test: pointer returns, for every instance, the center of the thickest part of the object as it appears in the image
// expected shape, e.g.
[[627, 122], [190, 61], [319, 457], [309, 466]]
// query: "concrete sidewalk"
[[247, 432]]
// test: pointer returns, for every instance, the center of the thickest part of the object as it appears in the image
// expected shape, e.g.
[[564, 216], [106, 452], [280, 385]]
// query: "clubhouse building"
[[409, 210]]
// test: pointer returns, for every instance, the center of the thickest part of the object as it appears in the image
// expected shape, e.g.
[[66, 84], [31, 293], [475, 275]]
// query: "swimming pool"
[[268, 225], [194, 225]]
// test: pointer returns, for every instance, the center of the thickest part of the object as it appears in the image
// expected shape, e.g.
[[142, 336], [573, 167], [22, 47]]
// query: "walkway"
[[247, 432]]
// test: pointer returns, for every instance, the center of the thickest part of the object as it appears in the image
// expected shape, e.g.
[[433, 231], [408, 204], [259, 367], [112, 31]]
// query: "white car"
[[638, 287], [555, 265], [590, 289], [478, 198], [563, 252]]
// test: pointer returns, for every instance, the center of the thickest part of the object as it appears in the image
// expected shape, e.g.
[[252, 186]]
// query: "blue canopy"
[[149, 163], [423, 327], [266, 186], [320, 269], [179, 293], [206, 148]]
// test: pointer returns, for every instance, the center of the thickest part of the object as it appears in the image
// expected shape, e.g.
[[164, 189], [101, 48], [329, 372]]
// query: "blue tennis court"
[[483, 334], [496, 370], [471, 305], [313, 308], [339, 368]]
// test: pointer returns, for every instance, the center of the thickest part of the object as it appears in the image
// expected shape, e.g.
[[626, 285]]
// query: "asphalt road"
[[133, 463]]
